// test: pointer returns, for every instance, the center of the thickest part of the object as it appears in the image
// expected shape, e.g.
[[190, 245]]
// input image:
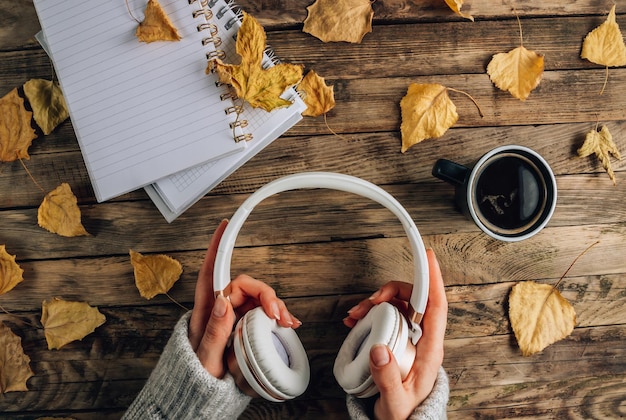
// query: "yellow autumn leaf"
[[11, 274], [14, 363], [260, 87], [154, 274], [16, 133], [156, 26], [427, 112], [456, 5], [48, 103], [519, 71], [601, 144], [318, 97], [605, 44], [539, 316], [335, 21], [64, 321], [59, 213]]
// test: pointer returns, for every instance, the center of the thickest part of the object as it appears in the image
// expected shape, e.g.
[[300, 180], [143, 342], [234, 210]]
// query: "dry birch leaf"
[[318, 97], [601, 144], [605, 44], [14, 363], [16, 133], [519, 71], [65, 321], [456, 5], [154, 274], [335, 21], [11, 274], [156, 26], [539, 315], [427, 112], [48, 103], [59, 213], [259, 87]]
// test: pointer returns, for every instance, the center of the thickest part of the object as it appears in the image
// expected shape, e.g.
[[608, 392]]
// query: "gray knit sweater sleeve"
[[432, 408], [180, 388]]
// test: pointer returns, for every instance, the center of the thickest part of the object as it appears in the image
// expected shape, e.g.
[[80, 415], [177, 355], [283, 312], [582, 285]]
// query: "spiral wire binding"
[[206, 11]]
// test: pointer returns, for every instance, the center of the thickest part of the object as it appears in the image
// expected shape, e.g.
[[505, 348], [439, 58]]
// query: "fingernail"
[[275, 311], [375, 295], [219, 308], [379, 355], [296, 321], [354, 308]]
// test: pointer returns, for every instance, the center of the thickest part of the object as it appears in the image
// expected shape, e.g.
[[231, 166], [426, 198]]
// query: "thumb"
[[385, 373], [216, 334]]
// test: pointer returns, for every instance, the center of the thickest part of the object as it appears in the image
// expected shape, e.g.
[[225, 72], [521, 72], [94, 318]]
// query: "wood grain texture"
[[324, 251]]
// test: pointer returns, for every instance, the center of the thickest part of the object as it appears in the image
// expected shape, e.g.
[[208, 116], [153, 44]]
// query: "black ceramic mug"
[[510, 193]]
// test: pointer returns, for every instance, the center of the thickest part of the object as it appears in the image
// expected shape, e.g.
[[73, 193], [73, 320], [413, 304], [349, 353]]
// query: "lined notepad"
[[141, 111]]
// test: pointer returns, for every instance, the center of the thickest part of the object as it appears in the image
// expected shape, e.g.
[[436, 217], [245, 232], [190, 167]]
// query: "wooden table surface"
[[323, 250]]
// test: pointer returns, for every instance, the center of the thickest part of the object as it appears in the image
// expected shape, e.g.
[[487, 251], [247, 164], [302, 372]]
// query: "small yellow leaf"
[[260, 87], [519, 71], [318, 97], [154, 274], [427, 112], [605, 44], [156, 26], [11, 274], [335, 21], [14, 363], [539, 315], [456, 5], [48, 103], [59, 213], [16, 133], [65, 321], [601, 144]]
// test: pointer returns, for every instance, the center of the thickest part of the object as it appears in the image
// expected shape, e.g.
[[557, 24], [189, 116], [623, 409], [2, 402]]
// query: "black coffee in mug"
[[510, 193]]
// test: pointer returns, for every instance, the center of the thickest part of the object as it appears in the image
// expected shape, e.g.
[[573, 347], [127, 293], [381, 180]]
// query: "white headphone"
[[269, 361]]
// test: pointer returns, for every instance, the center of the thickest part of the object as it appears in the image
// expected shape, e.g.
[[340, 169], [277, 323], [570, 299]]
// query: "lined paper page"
[[176, 193], [140, 111]]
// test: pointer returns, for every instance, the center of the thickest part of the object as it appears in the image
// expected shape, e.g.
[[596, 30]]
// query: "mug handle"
[[450, 172]]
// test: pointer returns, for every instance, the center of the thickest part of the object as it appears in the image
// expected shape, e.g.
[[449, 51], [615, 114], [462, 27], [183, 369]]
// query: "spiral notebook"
[[176, 193], [142, 112]]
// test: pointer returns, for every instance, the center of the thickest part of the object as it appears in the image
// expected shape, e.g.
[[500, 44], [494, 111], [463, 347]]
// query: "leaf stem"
[[20, 319], [574, 262], [480, 111], [606, 80], [30, 175], [176, 302], [131, 13]]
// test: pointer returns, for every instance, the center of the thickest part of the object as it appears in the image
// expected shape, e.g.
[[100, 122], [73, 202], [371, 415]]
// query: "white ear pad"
[[383, 324], [270, 357]]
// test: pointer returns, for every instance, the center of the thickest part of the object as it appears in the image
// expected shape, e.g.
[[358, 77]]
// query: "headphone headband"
[[333, 181]]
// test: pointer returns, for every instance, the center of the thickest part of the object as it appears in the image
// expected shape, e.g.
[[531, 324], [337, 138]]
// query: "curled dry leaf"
[[16, 133], [519, 71], [14, 363], [539, 316], [64, 321], [154, 274], [456, 5], [156, 26], [605, 44], [48, 103], [335, 21], [11, 274], [427, 112], [318, 97], [601, 144], [260, 87], [59, 213]]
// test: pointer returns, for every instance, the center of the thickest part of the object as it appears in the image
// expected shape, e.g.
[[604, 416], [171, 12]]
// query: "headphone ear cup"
[[269, 357], [383, 324]]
